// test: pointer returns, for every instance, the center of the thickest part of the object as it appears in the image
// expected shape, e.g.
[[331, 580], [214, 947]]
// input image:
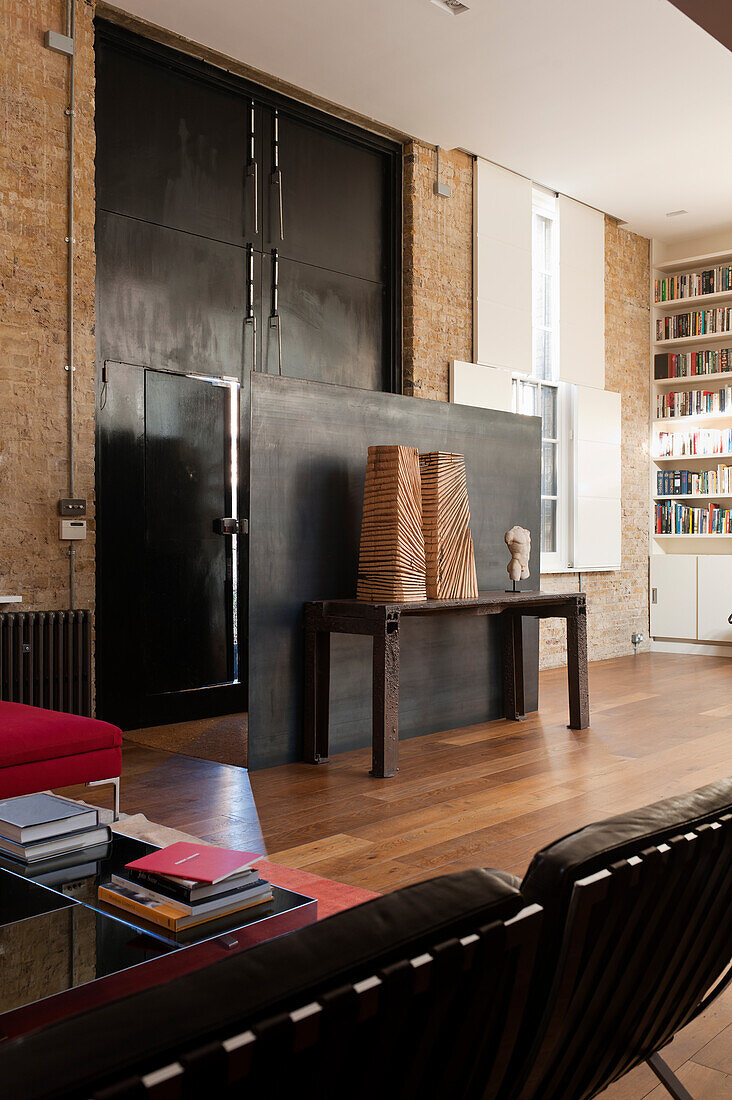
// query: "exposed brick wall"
[[33, 227], [617, 603], [438, 268], [437, 312]]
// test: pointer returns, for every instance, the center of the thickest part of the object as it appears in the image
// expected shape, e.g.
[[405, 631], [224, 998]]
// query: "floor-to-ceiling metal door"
[[199, 208], [168, 629]]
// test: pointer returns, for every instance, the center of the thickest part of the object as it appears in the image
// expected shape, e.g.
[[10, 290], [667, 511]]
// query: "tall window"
[[540, 394]]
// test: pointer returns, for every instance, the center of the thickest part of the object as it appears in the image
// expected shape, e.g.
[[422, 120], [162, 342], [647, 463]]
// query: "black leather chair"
[[418, 993], [462, 987], [638, 929]]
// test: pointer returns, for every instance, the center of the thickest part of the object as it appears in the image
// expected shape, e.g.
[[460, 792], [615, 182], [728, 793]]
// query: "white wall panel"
[[502, 268], [598, 415], [598, 533], [598, 469], [484, 387], [598, 511], [581, 294]]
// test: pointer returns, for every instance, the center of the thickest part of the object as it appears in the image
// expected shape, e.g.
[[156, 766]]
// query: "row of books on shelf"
[[695, 441], [689, 364], [692, 482], [712, 280], [700, 322], [186, 884], [682, 519], [693, 402]]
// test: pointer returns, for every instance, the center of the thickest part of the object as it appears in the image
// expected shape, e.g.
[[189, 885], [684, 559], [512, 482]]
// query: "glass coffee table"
[[63, 951]]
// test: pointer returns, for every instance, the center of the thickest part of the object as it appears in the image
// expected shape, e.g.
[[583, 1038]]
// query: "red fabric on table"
[[62, 771], [29, 734], [332, 896]]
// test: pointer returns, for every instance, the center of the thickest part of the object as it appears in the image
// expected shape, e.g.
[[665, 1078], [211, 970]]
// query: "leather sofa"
[[469, 985]]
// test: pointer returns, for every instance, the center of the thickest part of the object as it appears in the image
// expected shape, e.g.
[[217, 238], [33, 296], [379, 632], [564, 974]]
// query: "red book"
[[199, 862]]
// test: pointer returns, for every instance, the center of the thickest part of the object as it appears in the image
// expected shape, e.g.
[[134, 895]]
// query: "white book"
[[56, 846], [36, 816]]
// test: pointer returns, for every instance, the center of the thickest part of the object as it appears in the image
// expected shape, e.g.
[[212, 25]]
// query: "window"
[[545, 285], [541, 394], [535, 397]]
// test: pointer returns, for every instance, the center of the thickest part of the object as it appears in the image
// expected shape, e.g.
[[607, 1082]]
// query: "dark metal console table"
[[381, 622]]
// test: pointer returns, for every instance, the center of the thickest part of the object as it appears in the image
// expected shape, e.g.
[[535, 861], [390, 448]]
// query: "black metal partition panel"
[[308, 458]]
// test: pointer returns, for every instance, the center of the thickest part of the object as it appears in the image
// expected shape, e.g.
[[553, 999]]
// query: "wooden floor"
[[488, 795]]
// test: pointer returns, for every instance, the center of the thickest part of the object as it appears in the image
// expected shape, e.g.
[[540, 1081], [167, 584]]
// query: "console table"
[[381, 622]]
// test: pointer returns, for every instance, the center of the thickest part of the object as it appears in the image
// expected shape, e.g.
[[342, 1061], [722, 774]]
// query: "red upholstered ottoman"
[[42, 749]]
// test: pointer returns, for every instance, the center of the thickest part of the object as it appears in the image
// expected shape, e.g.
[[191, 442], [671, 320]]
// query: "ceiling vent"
[[454, 7], [676, 213]]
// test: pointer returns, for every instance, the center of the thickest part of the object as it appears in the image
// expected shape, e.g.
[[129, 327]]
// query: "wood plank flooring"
[[489, 795]]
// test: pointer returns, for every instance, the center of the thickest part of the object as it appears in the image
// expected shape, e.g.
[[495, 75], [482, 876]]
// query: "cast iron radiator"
[[45, 659]]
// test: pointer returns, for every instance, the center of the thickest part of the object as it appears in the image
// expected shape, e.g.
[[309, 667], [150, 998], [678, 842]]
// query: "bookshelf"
[[691, 574]]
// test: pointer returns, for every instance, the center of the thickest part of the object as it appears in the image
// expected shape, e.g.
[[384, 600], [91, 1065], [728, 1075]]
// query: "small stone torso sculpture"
[[518, 541]]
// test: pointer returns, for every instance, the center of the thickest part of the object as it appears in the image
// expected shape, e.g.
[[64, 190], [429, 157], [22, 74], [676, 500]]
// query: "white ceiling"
[[619, 103]]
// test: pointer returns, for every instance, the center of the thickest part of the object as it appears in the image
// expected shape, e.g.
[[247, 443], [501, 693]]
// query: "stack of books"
[[37, 828], [187, 884]]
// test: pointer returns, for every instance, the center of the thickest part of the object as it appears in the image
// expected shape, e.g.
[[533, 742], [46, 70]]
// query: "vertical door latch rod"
[[274, 317], [251, 170], [276, 177], [250, 316]]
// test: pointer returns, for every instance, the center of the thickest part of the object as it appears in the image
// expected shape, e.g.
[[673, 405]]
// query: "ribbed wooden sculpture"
[[446, 525], [391, 564]]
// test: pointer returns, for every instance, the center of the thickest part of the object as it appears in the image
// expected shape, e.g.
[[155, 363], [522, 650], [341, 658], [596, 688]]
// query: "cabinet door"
[[715, 598], [673, 596]]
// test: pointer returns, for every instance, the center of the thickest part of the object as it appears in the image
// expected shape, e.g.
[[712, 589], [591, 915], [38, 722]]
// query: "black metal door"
[[322, 325], [189, 180], [168, 591]]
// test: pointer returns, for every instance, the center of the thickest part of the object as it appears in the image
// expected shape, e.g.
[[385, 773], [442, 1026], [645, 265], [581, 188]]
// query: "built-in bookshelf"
[[691, 451]]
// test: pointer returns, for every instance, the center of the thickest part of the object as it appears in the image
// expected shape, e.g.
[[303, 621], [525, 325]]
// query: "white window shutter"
[[581, 294], [483, 387], [598, 514], [502, 268]]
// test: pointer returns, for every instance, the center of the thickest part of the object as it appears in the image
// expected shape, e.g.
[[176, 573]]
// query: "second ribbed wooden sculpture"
[[391, 566], [450, 558]]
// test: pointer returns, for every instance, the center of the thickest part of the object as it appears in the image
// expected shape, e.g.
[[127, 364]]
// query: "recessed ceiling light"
[[676, 213], [454, 7]]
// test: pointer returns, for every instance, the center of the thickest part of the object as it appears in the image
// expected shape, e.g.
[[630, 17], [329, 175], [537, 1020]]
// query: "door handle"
[[274, 318], [252, 171], [729, 620], [276, 177], [250, 318], [230, 525]]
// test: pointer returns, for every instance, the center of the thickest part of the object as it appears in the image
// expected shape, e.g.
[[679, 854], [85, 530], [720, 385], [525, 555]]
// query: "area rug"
[[332, 896], [223, 739]]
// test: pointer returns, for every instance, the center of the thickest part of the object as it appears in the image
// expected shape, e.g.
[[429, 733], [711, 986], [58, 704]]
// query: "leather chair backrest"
[[412, 987], [638, 928]]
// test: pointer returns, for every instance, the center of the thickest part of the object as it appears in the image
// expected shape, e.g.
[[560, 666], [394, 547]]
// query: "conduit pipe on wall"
[[66, 44], [71, 32]]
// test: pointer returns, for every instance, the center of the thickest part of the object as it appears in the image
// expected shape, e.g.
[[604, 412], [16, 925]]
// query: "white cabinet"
[[673, 596], [715, 598]]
